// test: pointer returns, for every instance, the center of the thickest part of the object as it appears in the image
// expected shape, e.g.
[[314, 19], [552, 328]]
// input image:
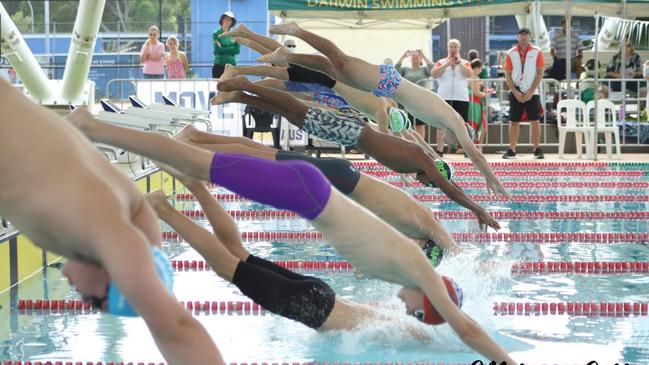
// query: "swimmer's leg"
[[350, 70], [189, 160], [243, 31], [196, 137], [313, 62], [274, 101], [279, 73], [252, 45]]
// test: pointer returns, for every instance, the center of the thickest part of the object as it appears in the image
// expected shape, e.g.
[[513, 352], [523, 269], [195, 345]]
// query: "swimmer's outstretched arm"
[[125, 254], [209, 246], [223, 226]]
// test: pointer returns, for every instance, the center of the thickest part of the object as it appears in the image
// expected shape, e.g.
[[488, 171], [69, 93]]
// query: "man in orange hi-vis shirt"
[[523, 73]]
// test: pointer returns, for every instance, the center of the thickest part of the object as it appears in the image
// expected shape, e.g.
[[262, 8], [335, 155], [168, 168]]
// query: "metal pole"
[[568, 9], [160, 18], [31, 9], [623, 58], [596, 115], [487, 34], [46, 4]]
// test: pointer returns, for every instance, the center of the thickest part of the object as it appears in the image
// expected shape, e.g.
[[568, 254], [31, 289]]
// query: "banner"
[[364, 5], [226, 119]]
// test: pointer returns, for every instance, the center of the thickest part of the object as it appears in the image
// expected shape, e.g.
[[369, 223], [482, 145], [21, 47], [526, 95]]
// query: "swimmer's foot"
[[240, 31], [83, 119], [228, 73], [288, 29], [225, 97], [187, 133], [280, 55], [234, 84], [242, 41], [157, 200]]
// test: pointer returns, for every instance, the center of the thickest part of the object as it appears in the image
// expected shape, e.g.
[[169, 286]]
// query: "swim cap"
[[398, 120], [444, 169], [117, 304], [431, 316], [433, 252]]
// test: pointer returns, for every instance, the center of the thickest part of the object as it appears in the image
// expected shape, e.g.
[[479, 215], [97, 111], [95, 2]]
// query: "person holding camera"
[[417, 72], [524, 67], [453, 74]]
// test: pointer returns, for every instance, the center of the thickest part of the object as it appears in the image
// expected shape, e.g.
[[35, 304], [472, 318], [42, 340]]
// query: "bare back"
[[57, 188]]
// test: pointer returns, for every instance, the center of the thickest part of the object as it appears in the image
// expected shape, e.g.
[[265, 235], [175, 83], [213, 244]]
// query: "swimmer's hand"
[[495, 187], [486, 220]]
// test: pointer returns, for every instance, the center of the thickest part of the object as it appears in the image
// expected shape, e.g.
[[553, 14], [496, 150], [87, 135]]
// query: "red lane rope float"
[[591, 309], [320, 265], [465, 237], [247, 307], [449, 215], [519, 198], [537, 173], [519, 268], [55, 362], [465, 184], [581, 267], [509, 164]]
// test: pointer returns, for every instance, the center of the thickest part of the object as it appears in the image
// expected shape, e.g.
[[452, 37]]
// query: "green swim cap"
[[445, 169], [398, 120], [433, 252]]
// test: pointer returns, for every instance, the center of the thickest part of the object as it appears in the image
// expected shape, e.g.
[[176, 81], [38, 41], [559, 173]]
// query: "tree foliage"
[[125, 16]]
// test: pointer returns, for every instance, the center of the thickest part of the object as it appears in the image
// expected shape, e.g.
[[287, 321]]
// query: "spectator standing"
[[474, 54], [225, 48], [523, 73], [477, 112], [415, 73], [558, 41], [152, 55], [453, 74], [176, 60]]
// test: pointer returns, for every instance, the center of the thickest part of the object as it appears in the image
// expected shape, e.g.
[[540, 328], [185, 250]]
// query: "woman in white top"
[[453, 73]]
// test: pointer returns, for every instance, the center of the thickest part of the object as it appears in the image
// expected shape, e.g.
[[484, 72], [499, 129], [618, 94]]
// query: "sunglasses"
[[290, 46]]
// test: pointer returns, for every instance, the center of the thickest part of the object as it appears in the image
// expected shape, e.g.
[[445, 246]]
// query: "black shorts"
[[411, 118], [217, 71], [461, 107], [298, 73], [516, 108], [341, 173], [304, 299]]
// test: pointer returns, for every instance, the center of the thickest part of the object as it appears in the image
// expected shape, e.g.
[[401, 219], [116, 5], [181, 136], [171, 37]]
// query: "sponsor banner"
[[363, 5], [226, 119]]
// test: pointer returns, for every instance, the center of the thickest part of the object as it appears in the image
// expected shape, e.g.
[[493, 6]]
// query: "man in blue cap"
[[68, 199]]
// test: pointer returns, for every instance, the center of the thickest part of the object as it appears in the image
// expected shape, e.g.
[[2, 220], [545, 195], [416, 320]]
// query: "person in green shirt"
[[225, 48]]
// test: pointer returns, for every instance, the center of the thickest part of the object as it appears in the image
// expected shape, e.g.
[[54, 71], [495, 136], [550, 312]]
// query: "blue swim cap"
[[117, 304]]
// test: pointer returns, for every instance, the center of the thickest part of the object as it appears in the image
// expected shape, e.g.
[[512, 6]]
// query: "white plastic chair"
[[577, 121], [606, 123]]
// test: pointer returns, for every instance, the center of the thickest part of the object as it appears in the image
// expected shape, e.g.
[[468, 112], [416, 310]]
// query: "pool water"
[[482, 270]]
